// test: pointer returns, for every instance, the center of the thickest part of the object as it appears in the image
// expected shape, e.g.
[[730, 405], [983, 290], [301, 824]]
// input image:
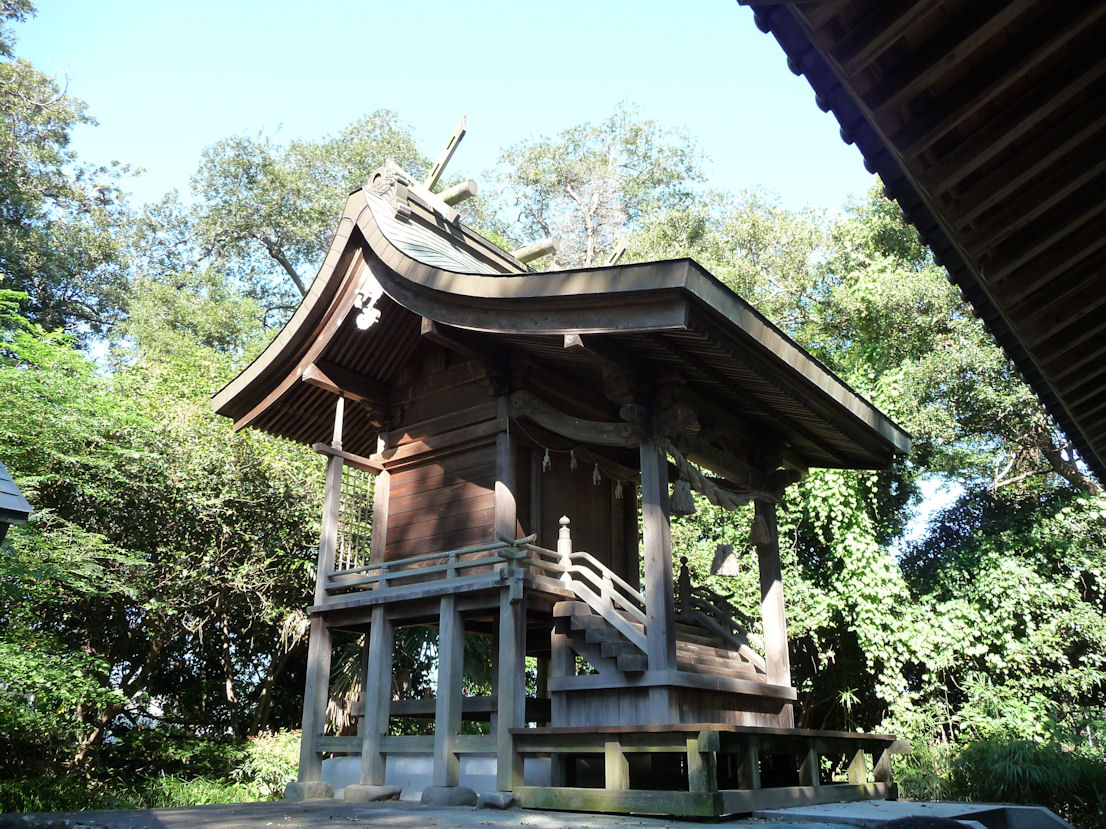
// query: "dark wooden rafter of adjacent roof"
[[399, 272], [985, 121]]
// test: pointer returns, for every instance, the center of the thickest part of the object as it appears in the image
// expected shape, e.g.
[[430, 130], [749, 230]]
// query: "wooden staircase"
[[606, 649]]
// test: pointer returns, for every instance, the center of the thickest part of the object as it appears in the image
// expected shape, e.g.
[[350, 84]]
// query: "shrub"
[[1001, 769], [271, 760]]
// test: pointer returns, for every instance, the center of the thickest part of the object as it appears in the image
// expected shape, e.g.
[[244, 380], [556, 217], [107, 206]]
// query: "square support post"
[[506, 509], [447, 703], [316, 691], [702, 762], [660, 611], [774, 620], [377, 695], [315, 696], [858, 768], [510, 690], [378, 540], [617, 769]]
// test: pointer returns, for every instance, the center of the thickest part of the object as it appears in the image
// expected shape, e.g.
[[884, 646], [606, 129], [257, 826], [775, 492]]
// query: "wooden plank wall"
[[442, 479], [599, 521], [630, 706]]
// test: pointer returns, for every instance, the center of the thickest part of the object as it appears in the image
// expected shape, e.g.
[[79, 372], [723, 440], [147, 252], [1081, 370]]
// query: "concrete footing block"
[[358, 793], [496, 800], [311, 790], [448, 796]]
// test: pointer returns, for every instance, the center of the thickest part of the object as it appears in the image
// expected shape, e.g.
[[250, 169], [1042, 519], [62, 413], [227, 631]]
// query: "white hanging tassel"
[[572, 460], [681, 502], [596, 475], [618, 490], [546, 463]]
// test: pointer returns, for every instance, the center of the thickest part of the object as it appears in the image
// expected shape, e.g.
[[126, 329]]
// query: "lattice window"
[[354, 519]]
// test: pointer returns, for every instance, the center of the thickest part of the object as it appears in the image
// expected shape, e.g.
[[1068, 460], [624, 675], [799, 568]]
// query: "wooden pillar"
[[809, 769], [447, 704], [511, 689], [858, 768], [616, 767], [660, 612], [506, 510], [773, 618], [378, 541], [377, 695], [315, 694], [881, 773], [702, 762], [316, 691], [748, 769]]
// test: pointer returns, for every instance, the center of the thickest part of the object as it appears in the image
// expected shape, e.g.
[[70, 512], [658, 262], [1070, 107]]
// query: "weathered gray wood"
[[315, 695], [808, 769], [774, 620], [328, 540], [702, 766], [675, 679], [408, 744], [510, 690], [377, 695], [343, 382], [446, 154], [748, 769], [359, 461], [595, 432], [382, 490], [659, 601], [882, 771], [632, 801], [459, 192], [858, 767], [536, 250], [447, 711], [616, 767], [506, 510], [411, 592], [742, 801], [339, 421]]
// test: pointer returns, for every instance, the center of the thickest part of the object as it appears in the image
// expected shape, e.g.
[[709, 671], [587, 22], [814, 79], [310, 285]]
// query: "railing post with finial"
[[564, 548]]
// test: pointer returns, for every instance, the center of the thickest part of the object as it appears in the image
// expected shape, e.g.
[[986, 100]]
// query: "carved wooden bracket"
[[598, 433]]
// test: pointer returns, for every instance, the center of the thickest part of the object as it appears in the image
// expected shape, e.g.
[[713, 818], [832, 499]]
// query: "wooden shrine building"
[[507, 422]]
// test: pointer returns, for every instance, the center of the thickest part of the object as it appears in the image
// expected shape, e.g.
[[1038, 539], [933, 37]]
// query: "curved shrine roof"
[[401, 267]]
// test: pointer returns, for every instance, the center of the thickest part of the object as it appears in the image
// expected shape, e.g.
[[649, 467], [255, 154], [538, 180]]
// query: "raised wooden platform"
[[725, 803], [723, 769]]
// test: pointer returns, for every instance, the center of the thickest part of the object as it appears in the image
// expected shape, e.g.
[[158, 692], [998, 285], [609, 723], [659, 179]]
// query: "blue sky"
[[166, 79]]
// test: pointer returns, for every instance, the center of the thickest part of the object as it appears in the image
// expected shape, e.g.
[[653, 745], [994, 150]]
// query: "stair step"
[[694, 650], [631, 662], [734, 662], [617, 647], [561, 609]]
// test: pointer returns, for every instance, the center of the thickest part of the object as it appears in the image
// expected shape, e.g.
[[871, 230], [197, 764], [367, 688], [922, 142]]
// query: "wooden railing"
[[606, 593], [701, 606], [449, 564]]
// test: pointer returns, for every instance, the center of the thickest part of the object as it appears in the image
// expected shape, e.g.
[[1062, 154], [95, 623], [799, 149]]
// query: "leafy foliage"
[[59, 219], [151, 612], [593, 183], [266, 211]]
